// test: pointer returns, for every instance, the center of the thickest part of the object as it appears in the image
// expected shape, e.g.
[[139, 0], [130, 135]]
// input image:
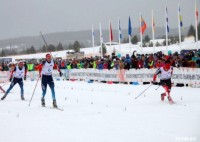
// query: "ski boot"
[[43, 102], [54, 104], [22, 97], [4, 97], [163, 96], [170, 100]]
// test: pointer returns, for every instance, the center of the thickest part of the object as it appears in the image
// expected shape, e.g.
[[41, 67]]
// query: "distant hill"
[[83, 37]]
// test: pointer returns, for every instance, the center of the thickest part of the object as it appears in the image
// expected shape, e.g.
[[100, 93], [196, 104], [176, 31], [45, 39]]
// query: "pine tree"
[[44, 49], [146, 40], [157, 44], [76, 46], [32, 50], [51, 48], [103, 49], [134, 40], [191, 31], [164, 43], [70, 46], [60, 47], [3, 54]]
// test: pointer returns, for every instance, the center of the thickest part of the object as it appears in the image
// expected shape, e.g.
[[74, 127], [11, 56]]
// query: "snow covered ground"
[[97, 112]]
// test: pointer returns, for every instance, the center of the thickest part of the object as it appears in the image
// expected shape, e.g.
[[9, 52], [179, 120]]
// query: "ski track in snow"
[[98, 112]]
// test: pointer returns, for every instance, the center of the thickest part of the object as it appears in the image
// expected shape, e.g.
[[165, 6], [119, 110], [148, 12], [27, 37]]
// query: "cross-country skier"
[[17, 75], [165, 80], [45, 71]]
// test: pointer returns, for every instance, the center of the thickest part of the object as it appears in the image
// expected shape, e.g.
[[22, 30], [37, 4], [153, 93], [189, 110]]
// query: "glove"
[[153, 82], [61, 74], [10, 79], [25, 77]]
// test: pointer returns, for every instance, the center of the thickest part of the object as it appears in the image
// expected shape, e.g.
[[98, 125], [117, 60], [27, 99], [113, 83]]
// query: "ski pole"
[[5, 83], [143, 91], [33, 91], [157, 87], [45, 43], [44, 39]]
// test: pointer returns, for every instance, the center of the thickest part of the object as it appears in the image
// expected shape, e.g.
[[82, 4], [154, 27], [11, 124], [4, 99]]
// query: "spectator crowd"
[[189, 59]]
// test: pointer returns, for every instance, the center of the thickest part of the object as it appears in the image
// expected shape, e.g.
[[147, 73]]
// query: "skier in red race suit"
[[165, 80], [45, 71]]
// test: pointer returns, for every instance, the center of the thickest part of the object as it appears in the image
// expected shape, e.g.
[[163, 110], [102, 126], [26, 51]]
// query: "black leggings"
[[15, 81], [48, 79], [166, 83]]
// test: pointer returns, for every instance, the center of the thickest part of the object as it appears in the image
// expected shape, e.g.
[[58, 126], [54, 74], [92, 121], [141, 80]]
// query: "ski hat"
[[169, 52], [48, 55], [167, 66]]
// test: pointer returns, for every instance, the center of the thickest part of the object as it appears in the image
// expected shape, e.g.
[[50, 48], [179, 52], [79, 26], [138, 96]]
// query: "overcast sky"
[[29, 17]]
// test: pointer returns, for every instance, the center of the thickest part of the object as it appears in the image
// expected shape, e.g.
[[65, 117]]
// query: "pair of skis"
[[57, 108], [171, 102]]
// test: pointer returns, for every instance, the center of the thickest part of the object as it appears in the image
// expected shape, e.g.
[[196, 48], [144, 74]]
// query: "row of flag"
[[144, 25]]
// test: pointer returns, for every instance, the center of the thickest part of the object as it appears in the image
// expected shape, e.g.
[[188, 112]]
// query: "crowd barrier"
[[180, 75]]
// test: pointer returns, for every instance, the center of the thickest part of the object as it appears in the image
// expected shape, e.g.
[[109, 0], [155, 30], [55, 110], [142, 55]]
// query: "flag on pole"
[[93, 35], [180, 24], [153, 24], [101, 35], [101, 39], [180, 18], [167, 20], [167, 27], [111, 33], [129, 27], [153, 30], [196, 22], [119, 30], [143, 25], [197, 13]]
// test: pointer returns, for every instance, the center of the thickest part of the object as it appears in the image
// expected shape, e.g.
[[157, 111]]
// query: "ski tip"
[[171, 103], [59, 109]]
